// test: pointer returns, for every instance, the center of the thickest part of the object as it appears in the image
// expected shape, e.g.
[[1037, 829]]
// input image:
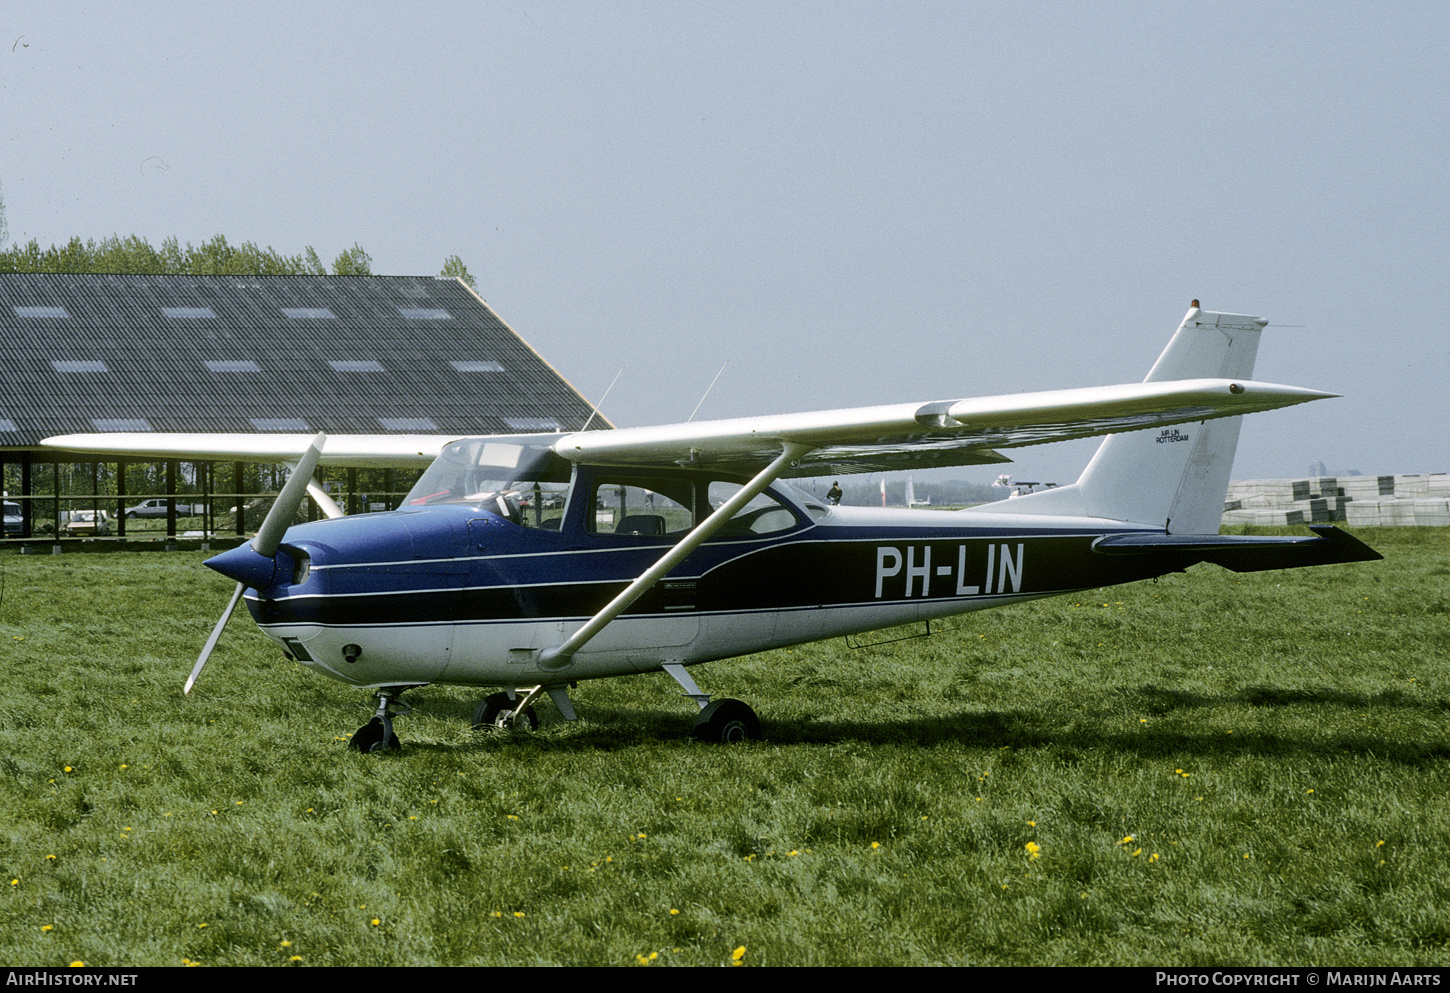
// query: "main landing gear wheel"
[[497, 711], [726, 721], [373, 737]]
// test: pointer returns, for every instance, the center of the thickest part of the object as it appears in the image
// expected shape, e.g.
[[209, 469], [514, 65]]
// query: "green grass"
[[1275, 745]]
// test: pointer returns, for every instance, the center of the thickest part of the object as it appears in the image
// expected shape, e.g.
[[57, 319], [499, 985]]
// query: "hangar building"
[[87, 353]]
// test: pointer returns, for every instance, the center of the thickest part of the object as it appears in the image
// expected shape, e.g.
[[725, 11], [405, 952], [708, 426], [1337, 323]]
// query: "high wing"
[[861, 439], [968, 431], [929, 435]]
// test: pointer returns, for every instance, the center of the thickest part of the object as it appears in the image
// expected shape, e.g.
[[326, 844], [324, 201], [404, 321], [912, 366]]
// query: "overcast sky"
[[852, 203]]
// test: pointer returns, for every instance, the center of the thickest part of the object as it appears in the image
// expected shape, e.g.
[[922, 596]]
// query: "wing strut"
[[559, 656]]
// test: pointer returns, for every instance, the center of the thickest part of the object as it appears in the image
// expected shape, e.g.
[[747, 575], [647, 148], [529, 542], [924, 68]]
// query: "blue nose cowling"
[[245, 565]]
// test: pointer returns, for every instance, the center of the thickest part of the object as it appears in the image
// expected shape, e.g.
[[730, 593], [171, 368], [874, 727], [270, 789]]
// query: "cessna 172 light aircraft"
[[529, 563]]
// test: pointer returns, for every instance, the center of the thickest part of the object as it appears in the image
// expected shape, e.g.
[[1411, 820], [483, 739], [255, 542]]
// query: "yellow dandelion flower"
[[1034, 850], [375, 922], [47, 927], [1137, 852], [77, 964], [518, 913], [673, 912], [737, 957]]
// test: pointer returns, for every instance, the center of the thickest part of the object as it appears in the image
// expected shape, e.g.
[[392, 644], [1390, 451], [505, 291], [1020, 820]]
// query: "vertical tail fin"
[[1175, 478]]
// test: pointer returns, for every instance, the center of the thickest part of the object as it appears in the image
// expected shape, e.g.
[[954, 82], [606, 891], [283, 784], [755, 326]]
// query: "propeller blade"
[[268, 539], [216, 633], [284, 509]]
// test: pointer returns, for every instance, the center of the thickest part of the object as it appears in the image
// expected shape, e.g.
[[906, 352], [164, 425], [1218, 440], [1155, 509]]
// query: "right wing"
[[927, 435]]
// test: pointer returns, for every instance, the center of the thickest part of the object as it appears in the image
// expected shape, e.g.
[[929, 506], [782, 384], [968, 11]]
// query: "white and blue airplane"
[[530, 563]]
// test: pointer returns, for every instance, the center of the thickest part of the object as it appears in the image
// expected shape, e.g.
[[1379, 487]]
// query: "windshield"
[[519, 478]]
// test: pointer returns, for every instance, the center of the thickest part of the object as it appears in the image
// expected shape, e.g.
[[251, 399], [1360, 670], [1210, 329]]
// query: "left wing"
[[360, 450], [923, 436]]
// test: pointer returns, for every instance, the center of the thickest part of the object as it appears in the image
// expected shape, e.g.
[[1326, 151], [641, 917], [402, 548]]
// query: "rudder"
[[1177, 477]]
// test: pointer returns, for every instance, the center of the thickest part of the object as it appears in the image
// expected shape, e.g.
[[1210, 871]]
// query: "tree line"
[[215, 257]]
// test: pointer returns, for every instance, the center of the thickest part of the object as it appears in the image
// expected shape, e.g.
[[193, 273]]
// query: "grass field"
[[1212, 769]]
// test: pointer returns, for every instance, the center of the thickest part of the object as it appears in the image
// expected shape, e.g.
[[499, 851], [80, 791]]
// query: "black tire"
[[130, 517], [369, 739], [725, 722], [493, 707]]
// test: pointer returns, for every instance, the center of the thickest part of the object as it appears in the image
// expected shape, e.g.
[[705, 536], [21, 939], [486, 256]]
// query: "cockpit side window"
[[640, 507]]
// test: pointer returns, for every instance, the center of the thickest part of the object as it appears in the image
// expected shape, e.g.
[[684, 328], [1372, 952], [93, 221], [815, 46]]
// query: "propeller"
[[254, 564]]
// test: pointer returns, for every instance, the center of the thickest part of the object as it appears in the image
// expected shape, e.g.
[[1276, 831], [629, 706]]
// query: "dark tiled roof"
[[342, 354]]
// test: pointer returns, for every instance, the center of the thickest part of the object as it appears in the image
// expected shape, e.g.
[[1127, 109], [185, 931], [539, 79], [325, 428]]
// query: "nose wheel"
[[377, 734]]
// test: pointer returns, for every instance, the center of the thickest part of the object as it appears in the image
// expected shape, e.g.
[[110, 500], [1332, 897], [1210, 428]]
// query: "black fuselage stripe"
[[789, 577]]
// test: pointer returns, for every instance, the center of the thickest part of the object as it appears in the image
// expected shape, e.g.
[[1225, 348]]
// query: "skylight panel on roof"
[[308, 313], [6, 424], [40, 312], [425, 313], [232, 365], [184, 313], [121, 423], [356, 365], [532, 423], [477, 366], [407, 424], [78, 365], [279, 424]]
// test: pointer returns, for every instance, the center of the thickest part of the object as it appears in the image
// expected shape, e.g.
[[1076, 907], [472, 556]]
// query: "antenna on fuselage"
[[595, 411], [707, 392]]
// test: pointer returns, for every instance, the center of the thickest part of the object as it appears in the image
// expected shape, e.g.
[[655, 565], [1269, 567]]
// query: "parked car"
[[14, 520], [157, 508], [87, 522]]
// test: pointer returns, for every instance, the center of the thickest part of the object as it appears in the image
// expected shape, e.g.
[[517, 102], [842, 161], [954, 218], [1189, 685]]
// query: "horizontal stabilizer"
[[1246, 553]]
